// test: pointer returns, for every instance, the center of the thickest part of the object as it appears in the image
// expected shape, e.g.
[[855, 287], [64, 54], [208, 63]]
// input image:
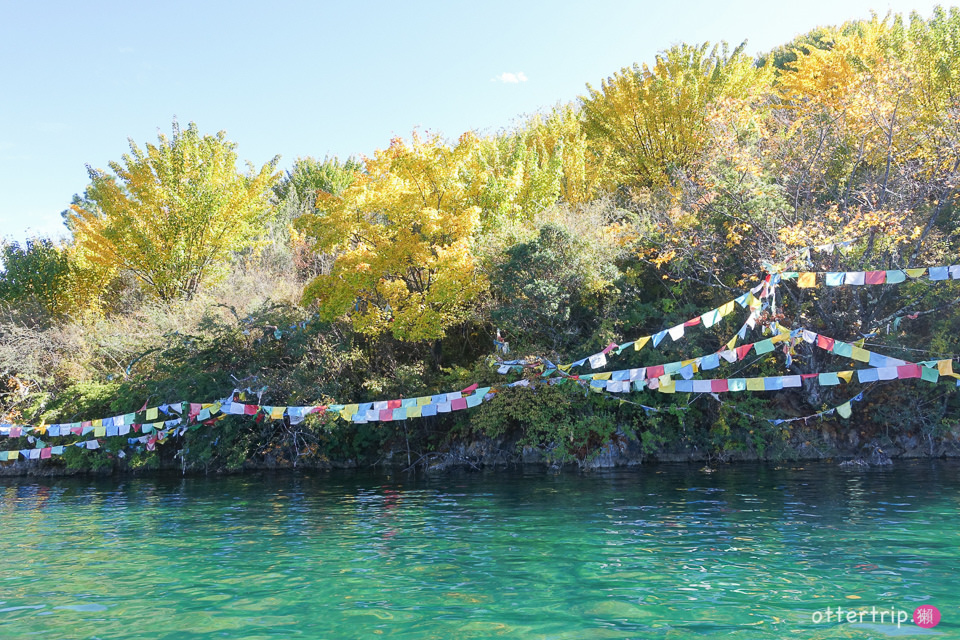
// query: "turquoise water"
[[658, 552]]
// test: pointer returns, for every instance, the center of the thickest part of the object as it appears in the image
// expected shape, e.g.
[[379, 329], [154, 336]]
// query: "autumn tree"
[[544, 161], [401, 233], [653, 120], [173, 213]]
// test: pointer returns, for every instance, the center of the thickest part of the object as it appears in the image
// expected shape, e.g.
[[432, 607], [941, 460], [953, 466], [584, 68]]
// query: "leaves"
[[173, 213], [402, 234]]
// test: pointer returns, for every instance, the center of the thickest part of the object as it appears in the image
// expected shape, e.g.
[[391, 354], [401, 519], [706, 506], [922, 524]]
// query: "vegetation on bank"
[[661, 193]]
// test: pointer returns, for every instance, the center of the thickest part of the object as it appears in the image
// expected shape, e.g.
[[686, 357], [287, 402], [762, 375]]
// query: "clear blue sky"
[[320, 78]]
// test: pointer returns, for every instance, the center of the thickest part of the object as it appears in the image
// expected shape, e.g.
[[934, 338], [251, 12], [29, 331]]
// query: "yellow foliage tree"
[[401, 234], [655, 120], [544, 161], [171, 214]]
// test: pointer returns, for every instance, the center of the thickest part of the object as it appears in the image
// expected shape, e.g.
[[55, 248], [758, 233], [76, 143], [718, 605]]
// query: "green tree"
[[36, 272], [172, 214]]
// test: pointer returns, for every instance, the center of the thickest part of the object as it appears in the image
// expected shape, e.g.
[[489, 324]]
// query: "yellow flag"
[[96, 423], [667, 385], [152, 413], [725, 309], [641, 343], [845, 375], [415, 412], [754, 384], [425, 400], [916, 273], [602, 376], [807, 279], [99, 432], [945, 367], [276, 413], [860, 355], [732, 343], [348, 411]]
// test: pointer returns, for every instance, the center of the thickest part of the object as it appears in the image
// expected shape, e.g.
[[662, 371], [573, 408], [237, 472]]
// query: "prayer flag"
[[939, 273], [459, 404], [755, 384], [928, 374], [828, 379], [807, 279], [875, 277], [886, 373], [844, 410], [846, 376], [772, 383], [710, 318], [895, 276], [834, 279], [764, 346], [151, 414], [702, 386], [718, 386], [710, 362], [908, 371], [842, 349], [860, 355], [867, 375], [676, 332], [597, 360], [854, 277], [641, 343], [916, 273]]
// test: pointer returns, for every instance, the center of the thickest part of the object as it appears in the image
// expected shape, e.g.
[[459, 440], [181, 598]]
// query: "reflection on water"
[[657, 552]]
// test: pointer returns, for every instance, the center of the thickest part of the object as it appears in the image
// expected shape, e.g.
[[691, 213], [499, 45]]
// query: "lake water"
[[748, 552]]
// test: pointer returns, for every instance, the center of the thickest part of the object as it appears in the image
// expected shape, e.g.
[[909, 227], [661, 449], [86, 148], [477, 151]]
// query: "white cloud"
[[511, 78]]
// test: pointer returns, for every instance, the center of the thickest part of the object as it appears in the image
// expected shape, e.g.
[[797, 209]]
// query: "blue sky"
[[320, 78]]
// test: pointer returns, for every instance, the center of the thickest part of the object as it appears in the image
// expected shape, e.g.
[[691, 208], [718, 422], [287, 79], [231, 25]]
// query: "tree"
[[309, 176], [401, 234], [173, 213], [654, 120], [546, 289], [38, 271]]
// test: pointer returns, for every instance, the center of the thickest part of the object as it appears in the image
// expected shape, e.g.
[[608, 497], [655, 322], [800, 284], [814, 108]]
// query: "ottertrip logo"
[[926, 616]]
